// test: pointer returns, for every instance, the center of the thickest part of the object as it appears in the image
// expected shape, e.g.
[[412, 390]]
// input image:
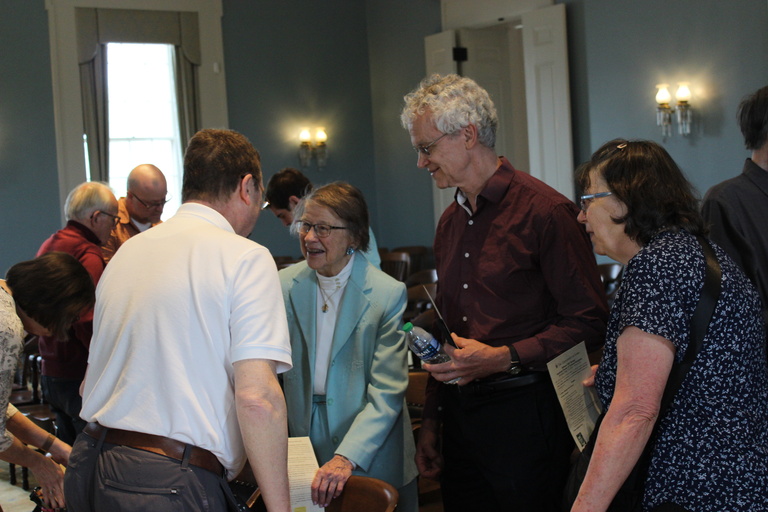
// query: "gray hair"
[[86, 198], [347, 202], [454, 102]]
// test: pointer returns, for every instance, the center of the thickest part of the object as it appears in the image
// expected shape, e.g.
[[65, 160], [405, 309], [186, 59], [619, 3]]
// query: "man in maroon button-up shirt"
[[518, 285]]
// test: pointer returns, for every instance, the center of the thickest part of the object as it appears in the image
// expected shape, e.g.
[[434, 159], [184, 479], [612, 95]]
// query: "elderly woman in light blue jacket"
[[346, 390]]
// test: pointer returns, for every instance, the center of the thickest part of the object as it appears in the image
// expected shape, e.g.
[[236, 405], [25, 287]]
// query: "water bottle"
[[425, 346]]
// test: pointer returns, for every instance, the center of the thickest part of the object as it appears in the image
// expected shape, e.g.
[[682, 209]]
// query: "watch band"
[[514, 363]]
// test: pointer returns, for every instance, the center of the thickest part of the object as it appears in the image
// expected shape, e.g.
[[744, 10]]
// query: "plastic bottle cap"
[[407, 327]]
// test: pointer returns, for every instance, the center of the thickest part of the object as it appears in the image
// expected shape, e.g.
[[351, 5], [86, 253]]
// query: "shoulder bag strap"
[[699, 325]]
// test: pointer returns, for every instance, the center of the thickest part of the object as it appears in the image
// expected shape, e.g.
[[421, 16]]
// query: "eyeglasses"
[[424, 149], [585, 201], [321, 230], [115, 218], [150, 204]]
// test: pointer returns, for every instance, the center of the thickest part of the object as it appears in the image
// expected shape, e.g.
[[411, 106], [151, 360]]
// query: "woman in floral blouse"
[[43, 296]]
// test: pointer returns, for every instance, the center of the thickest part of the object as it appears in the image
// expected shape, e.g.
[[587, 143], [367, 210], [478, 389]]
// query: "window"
[[143, 120], [65, 33]]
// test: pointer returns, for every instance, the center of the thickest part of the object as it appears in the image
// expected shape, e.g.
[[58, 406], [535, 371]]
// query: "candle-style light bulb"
[[663, 97], [683, 94]]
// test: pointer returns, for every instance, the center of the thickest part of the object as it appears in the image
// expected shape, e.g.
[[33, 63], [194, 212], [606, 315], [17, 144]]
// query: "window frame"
[[67, 101]]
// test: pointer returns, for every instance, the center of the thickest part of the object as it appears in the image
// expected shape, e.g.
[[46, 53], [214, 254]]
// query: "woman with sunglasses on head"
[[346, 390], [709, 451], [43, 297]]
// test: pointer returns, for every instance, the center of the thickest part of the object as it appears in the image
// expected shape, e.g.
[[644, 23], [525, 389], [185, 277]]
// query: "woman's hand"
[[60, 451], [51, 479], [330, 480], [590, 381]]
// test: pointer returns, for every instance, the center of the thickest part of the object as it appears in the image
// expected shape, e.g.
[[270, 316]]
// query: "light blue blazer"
[[367, 374]]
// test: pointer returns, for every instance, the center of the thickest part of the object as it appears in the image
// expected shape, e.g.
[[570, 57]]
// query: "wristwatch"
[[514, 364]]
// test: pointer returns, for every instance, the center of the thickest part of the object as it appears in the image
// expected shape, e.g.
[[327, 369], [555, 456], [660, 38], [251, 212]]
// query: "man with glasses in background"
[[140, 209], [91, 211], [518, 285]]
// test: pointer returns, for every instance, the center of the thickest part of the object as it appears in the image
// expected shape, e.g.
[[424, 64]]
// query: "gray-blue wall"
[[29, 187], [621, 49], [289, 63], [350, 63]]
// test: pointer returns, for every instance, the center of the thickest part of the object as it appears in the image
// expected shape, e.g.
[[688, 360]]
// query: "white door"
[[488, 64], [548, 95]]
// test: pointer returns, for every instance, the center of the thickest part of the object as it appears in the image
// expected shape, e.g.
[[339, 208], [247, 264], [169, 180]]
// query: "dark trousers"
[[106, 477], [63, 395], [504, 451]]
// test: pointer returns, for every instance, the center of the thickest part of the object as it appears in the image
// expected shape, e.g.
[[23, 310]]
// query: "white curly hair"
[[454, 102]]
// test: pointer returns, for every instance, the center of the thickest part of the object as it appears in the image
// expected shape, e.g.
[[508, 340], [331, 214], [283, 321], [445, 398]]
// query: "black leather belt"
[[502, 383], [172, 448]]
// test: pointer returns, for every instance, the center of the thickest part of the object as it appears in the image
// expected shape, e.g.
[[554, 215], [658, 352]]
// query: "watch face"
[[515, 369]]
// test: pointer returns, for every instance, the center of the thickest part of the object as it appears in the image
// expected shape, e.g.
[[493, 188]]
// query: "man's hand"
[[330, 479], [428, 458], [470, 360]]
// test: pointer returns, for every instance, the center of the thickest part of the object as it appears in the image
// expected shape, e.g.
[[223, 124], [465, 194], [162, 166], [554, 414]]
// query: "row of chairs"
[[27, 397]]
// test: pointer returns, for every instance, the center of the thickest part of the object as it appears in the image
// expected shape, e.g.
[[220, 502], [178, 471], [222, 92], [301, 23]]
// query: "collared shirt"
[[175, 309], [519, 270]]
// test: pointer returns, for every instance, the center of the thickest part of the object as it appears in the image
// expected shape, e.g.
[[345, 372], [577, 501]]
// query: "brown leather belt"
[[156, 444]]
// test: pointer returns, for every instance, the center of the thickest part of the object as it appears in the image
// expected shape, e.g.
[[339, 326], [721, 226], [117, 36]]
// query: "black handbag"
[[630, 495]]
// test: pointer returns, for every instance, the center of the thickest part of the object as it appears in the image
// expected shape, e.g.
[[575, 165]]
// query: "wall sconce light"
[[307, 151], [664, 110], [683, 96]]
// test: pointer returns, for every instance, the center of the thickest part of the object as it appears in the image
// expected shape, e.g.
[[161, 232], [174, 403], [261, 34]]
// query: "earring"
[[350, 251]]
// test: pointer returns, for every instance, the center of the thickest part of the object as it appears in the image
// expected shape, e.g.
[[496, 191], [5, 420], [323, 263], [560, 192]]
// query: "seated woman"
[[711, 449], [43, 296], [346, 390]]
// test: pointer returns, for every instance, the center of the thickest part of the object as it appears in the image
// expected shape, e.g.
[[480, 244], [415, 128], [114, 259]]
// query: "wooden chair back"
[[365, 493], [418, 300], [423, 276], [361, 493], [396, 264], [418, 254], [416, 392]]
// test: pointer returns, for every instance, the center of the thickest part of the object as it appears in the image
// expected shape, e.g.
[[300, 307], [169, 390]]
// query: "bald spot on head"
[[148, 183], [147, 178]]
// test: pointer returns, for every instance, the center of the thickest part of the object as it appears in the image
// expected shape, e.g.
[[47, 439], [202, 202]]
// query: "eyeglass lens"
[[321, 230], [424, 149]]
